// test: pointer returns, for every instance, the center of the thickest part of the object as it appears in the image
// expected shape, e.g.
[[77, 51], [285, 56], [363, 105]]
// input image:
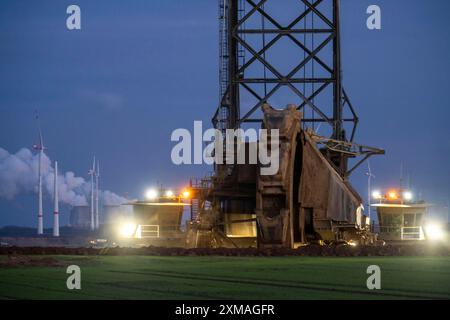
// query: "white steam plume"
[[18, 175]]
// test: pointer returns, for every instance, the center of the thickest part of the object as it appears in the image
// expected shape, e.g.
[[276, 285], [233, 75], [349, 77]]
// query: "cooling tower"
[[80, 217]]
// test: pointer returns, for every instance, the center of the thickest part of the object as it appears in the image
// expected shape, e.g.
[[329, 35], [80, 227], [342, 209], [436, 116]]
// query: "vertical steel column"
[[233, 92], [338, 133]]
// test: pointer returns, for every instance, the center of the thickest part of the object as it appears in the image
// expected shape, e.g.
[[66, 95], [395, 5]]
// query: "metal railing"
[[405, 233], [149, 230], [411, 233]]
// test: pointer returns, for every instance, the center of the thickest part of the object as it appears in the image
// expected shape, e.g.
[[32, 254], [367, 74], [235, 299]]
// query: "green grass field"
[[149, 277]]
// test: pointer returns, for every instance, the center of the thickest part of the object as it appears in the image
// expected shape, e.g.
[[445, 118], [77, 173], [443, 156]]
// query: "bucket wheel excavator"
[[309, 198]]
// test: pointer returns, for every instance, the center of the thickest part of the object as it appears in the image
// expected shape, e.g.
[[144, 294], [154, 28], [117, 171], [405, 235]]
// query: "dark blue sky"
[[140, 69]]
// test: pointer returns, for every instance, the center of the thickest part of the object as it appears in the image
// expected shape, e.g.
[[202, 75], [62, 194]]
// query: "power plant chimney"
[[97, 175], [92, 173], [55, 204]]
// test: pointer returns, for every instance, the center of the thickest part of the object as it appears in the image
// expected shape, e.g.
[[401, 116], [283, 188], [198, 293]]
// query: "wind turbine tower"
[[55, 204], [369, 187], [97, 175], [92, 174], [40, 149]]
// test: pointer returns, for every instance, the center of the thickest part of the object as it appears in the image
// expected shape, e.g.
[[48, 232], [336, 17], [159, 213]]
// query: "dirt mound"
[[313, 250], [27, 261]]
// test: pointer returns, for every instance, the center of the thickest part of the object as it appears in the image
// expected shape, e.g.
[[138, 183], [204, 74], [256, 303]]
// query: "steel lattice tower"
[[249, 32]]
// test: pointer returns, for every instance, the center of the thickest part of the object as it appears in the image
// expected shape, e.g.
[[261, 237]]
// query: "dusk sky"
[[139, 69]]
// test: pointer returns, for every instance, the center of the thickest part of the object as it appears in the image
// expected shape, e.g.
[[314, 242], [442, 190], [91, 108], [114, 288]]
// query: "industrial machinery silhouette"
[[266, 60]]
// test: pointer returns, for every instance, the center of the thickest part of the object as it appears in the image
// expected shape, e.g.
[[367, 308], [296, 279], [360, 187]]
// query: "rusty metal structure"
[[309, 198]]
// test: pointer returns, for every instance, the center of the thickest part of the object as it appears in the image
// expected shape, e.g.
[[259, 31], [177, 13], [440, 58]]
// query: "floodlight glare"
[[376, 194], [169, 193], [186, 194], [151, 194], [434, 232], [407, 195], [392, 195], [127, 230]]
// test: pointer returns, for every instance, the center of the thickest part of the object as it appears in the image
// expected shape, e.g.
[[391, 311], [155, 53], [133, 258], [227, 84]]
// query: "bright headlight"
[[407, 195], [151, 194], [128, 230], [169, 193], [376, 194], [392, 195], [434, 232], [186, 194]]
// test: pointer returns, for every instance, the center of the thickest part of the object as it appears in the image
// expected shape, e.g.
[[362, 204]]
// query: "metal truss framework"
[[233, 17], [238, 55], [350, 149]]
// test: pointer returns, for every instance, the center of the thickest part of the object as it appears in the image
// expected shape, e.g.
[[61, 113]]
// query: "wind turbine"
[[97, 175], [92, 174], [55, 203], [369, 180], [40, 149]]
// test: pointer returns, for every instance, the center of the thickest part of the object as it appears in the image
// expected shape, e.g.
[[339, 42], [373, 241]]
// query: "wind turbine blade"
[[41, 140]]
